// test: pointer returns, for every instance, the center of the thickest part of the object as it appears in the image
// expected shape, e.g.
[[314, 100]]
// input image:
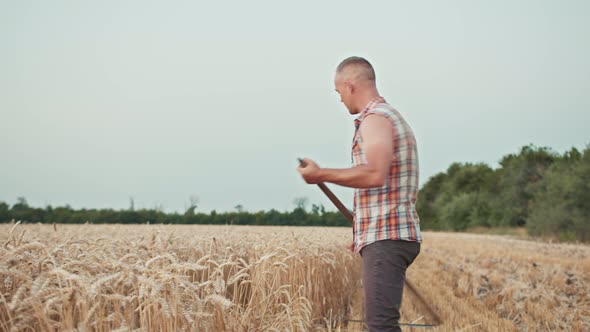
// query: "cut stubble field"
[[254, 278]]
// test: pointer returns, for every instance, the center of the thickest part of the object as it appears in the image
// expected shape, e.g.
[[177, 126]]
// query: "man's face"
[[344, 90]]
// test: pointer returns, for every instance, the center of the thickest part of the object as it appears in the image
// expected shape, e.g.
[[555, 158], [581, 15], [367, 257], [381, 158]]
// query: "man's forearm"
[[362, 176]]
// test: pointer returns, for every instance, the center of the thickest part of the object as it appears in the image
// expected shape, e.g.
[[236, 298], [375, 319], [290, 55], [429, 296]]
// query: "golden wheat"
[[240, 278]]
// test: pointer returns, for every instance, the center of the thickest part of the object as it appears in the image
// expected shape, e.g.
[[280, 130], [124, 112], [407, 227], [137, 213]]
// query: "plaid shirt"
[[387, 212]]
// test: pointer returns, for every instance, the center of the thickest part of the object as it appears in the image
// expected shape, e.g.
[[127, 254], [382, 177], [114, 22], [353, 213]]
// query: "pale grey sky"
[[161, 100]]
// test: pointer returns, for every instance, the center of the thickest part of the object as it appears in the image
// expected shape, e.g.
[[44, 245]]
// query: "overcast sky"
[[160, 100]]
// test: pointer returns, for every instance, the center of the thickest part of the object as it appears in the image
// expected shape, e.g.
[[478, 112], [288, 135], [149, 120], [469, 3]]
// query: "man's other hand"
[[350, 246]]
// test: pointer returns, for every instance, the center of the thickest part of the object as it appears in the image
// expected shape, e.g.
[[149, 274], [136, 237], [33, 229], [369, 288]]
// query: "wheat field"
[[252, 278]]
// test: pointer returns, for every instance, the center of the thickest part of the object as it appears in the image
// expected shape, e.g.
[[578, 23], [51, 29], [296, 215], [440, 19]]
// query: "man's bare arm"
[[377, 133]]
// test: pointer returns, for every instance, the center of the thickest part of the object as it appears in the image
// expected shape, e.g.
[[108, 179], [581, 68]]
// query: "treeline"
[[537, 188], [541, 190], [66, 215]]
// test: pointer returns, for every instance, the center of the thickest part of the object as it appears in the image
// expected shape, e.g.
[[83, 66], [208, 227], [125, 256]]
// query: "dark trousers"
[[384, 271]]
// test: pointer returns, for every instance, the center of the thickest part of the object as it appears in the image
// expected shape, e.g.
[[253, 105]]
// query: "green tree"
[[447, 191], [192, 205], [455, 215], [21, 210], [514, 186], [561, 206], [427, 197], [5, 215]]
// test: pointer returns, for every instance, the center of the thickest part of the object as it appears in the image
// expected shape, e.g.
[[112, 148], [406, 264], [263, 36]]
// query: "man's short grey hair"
[[362, 67]]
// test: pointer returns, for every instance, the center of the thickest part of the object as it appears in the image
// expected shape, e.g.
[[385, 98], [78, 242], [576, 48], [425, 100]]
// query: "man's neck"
[[366, 99]]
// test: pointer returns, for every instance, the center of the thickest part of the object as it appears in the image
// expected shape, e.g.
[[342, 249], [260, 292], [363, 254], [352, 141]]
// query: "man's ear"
[[349, 86]]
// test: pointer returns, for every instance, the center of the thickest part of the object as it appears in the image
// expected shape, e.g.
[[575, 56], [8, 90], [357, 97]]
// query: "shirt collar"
[[372, 104]]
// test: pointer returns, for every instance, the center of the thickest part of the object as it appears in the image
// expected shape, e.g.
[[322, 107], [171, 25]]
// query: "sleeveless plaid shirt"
[[387, 212]]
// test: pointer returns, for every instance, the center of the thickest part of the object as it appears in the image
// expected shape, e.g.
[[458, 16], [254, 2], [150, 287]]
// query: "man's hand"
[[310, 171], [351, 246]]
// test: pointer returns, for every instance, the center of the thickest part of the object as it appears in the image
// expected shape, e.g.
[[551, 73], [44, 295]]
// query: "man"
[[386, 230]]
